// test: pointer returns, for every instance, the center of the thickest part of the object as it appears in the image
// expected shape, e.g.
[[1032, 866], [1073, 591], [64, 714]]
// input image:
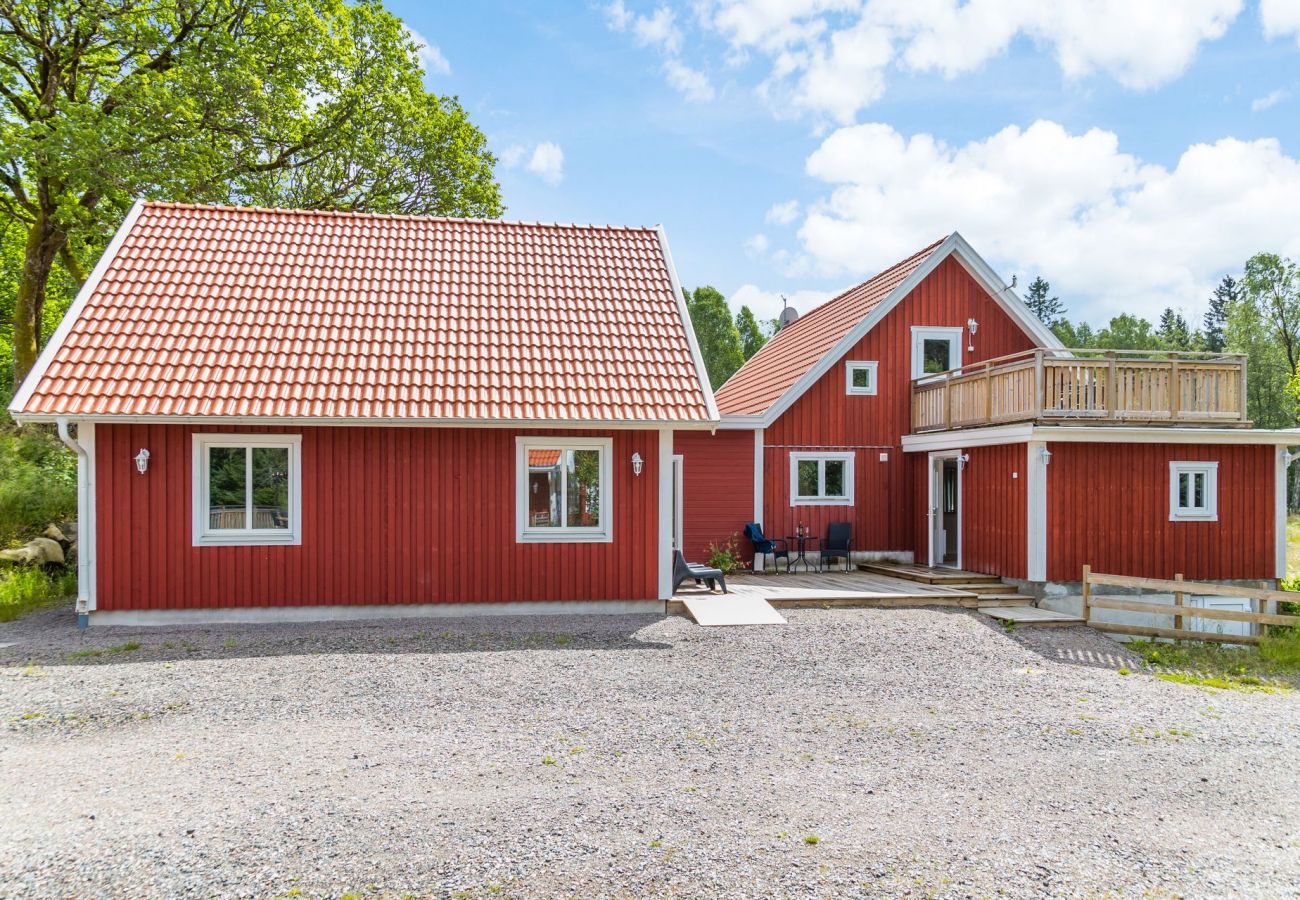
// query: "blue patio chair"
[[773, 547], [836, 546]]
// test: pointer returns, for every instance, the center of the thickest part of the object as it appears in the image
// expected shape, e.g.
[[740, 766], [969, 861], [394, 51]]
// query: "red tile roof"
[[795, 349], [215, 311]]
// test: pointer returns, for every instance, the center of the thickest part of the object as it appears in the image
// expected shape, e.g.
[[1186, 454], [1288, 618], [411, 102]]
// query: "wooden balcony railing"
[[1086, 386]]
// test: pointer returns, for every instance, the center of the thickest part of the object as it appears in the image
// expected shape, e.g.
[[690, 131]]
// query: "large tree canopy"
[[311, 103], [716, 333]]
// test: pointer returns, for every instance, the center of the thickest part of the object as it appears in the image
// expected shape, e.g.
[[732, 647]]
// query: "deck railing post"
[[1039, 392], [1087, 593], [1178, 601], [1241, 388], [1175, 388], [947, 399], [988, 393], [1112, 385]]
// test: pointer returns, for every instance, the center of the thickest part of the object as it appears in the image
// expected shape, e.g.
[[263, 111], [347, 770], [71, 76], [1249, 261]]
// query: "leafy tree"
[[1273, 287], [315, 103], [752, 335], [1128, 332], [1268, 403], [1216, 317], [716, 332], [1072, 335], [1049, 309], [1174, 332]]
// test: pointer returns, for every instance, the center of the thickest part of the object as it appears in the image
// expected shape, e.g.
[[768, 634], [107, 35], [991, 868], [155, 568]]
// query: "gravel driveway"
[[850, 753]]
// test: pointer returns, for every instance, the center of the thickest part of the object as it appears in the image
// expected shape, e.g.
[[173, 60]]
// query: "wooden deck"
[[822, 589]]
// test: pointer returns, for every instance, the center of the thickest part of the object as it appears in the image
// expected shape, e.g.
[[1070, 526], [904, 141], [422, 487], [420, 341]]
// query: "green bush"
[[38, 483], [22, 589], [724, 555], [1281, 650]]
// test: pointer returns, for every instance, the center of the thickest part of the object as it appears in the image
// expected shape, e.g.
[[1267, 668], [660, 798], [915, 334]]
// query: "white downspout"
[[85, 521]]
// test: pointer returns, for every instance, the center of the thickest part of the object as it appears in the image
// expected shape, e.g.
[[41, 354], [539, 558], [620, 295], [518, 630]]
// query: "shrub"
[[38, 482], [724, 555], [22, 589], [1281, 649]]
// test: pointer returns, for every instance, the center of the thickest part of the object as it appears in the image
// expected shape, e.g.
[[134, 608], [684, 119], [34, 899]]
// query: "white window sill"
[[1194, 517], [246, 539], [565, 537], [823, 501]]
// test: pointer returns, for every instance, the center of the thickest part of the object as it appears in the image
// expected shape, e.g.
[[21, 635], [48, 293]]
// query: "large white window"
[[247, 489], [860, 377], [824, 479], [935, 350], [563, 489], [1194, 491]]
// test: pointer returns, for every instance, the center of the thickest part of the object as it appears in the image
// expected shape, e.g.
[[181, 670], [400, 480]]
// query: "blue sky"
[[1130, 152]]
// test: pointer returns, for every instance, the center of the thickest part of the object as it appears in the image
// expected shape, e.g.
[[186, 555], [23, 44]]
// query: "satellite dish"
[[788, 315]]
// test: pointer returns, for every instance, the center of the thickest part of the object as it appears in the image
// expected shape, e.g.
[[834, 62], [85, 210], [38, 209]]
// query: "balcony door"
[[935, 350]]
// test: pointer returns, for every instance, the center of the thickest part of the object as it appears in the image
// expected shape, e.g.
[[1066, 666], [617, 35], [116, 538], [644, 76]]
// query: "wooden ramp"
[[710, 609], [1029, 615]]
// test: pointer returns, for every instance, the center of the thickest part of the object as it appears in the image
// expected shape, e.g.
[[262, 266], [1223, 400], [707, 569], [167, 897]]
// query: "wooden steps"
[[928, 575], [993, 596]]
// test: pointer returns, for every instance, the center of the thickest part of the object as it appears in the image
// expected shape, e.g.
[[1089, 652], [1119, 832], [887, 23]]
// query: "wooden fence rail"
[[1180, 610]]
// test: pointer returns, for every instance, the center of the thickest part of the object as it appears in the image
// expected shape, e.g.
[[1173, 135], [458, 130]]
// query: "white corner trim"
[[822, 457], [1210, 471], [84, 446], [1279, 510], [979, 270], [758, 476], [1036, 511], [665, 470], [604, 533], [855, 365], [202, 535], [700, 371], [70, 317], [366, 611]]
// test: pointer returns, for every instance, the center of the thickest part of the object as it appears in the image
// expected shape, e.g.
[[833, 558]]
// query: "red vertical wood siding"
[[390, 515], [718, 485], [994, 507], [886, 510], [1108, 507]]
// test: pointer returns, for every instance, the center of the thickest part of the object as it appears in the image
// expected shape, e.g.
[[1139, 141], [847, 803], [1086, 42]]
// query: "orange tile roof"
[[217, 311], [795, 349], [543, 459]]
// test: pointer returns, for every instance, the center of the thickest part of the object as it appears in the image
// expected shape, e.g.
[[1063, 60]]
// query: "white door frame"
[[934, 496], [679, 465]]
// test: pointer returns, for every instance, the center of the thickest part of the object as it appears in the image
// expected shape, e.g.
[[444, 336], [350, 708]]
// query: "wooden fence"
[[1180, 610], [1082, 386]]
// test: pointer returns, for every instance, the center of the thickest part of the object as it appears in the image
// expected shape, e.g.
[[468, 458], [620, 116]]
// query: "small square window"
[[1194, 491], [860, 377], [563, 489], [247, 489]]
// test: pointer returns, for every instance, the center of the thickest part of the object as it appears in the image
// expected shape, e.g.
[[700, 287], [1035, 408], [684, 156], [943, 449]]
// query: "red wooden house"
[[324, 415], [929, 408]]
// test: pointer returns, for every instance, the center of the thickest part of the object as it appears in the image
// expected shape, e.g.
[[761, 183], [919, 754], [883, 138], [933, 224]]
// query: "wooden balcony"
[[1104, 387]]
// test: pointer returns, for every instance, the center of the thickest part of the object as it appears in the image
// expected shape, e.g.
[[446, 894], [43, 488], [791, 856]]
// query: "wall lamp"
[[142, 461], [963, 461], [971, 327], [1045, 455], [637, 463]]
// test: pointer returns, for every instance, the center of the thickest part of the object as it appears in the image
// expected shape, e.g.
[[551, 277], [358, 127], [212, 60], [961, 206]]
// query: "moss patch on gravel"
[[1271, 666]]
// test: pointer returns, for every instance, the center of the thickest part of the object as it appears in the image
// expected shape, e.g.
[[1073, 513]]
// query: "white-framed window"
[[563, 487], [247, 489], [821, 479], [1194, 491], [935, 349], [860, 377]]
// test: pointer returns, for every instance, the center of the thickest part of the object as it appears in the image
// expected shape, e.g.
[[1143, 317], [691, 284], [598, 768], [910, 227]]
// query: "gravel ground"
[[851, 753]]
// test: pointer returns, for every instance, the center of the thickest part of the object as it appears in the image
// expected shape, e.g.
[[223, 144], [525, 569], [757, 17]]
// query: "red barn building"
[[933, 412]]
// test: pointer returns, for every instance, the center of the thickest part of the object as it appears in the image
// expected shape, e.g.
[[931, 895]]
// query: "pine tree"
[[1049, 309], [1216, 317], [1174, 332]]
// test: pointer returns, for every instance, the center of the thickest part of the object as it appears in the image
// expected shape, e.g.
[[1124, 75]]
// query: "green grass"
[[128, 647], [1273, 664], [25, 589]]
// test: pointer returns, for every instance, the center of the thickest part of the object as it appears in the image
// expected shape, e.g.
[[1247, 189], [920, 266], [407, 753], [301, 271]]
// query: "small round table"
[[802, 556]]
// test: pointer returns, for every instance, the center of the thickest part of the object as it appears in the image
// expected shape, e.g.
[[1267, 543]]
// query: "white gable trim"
[[56, 340], [978, 269], [700, 372]]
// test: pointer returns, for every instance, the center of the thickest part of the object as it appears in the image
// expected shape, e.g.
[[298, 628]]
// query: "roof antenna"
[[788, 314], [1013, 282]]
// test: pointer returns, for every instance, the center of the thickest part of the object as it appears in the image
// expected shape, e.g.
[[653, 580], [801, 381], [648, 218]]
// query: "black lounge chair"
[[773, 547], [682, 570], [838, 537]]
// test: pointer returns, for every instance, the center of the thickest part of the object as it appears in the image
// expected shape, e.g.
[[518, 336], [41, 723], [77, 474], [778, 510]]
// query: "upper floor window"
[[1194, 491], [935, 350], [860, 377], [247, 489], [563, 489], [821, 479]]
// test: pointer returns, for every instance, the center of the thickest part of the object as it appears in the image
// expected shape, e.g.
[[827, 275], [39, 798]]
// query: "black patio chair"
[[773, 547], [838, 537], [682, 571]]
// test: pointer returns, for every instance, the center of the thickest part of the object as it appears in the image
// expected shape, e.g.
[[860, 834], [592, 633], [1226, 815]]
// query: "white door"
[[944, 511]]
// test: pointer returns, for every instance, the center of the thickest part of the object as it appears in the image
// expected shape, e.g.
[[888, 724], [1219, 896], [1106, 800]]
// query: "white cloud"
[[430, 56], [513, 155], [766, 305], [782, 213], [1280, 18], [691, 83], [757, 245], [547, 162], [829, 57], [1107, 229], [1273, 98]]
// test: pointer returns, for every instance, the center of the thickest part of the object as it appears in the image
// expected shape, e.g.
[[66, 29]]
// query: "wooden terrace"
[[1104, 387]]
